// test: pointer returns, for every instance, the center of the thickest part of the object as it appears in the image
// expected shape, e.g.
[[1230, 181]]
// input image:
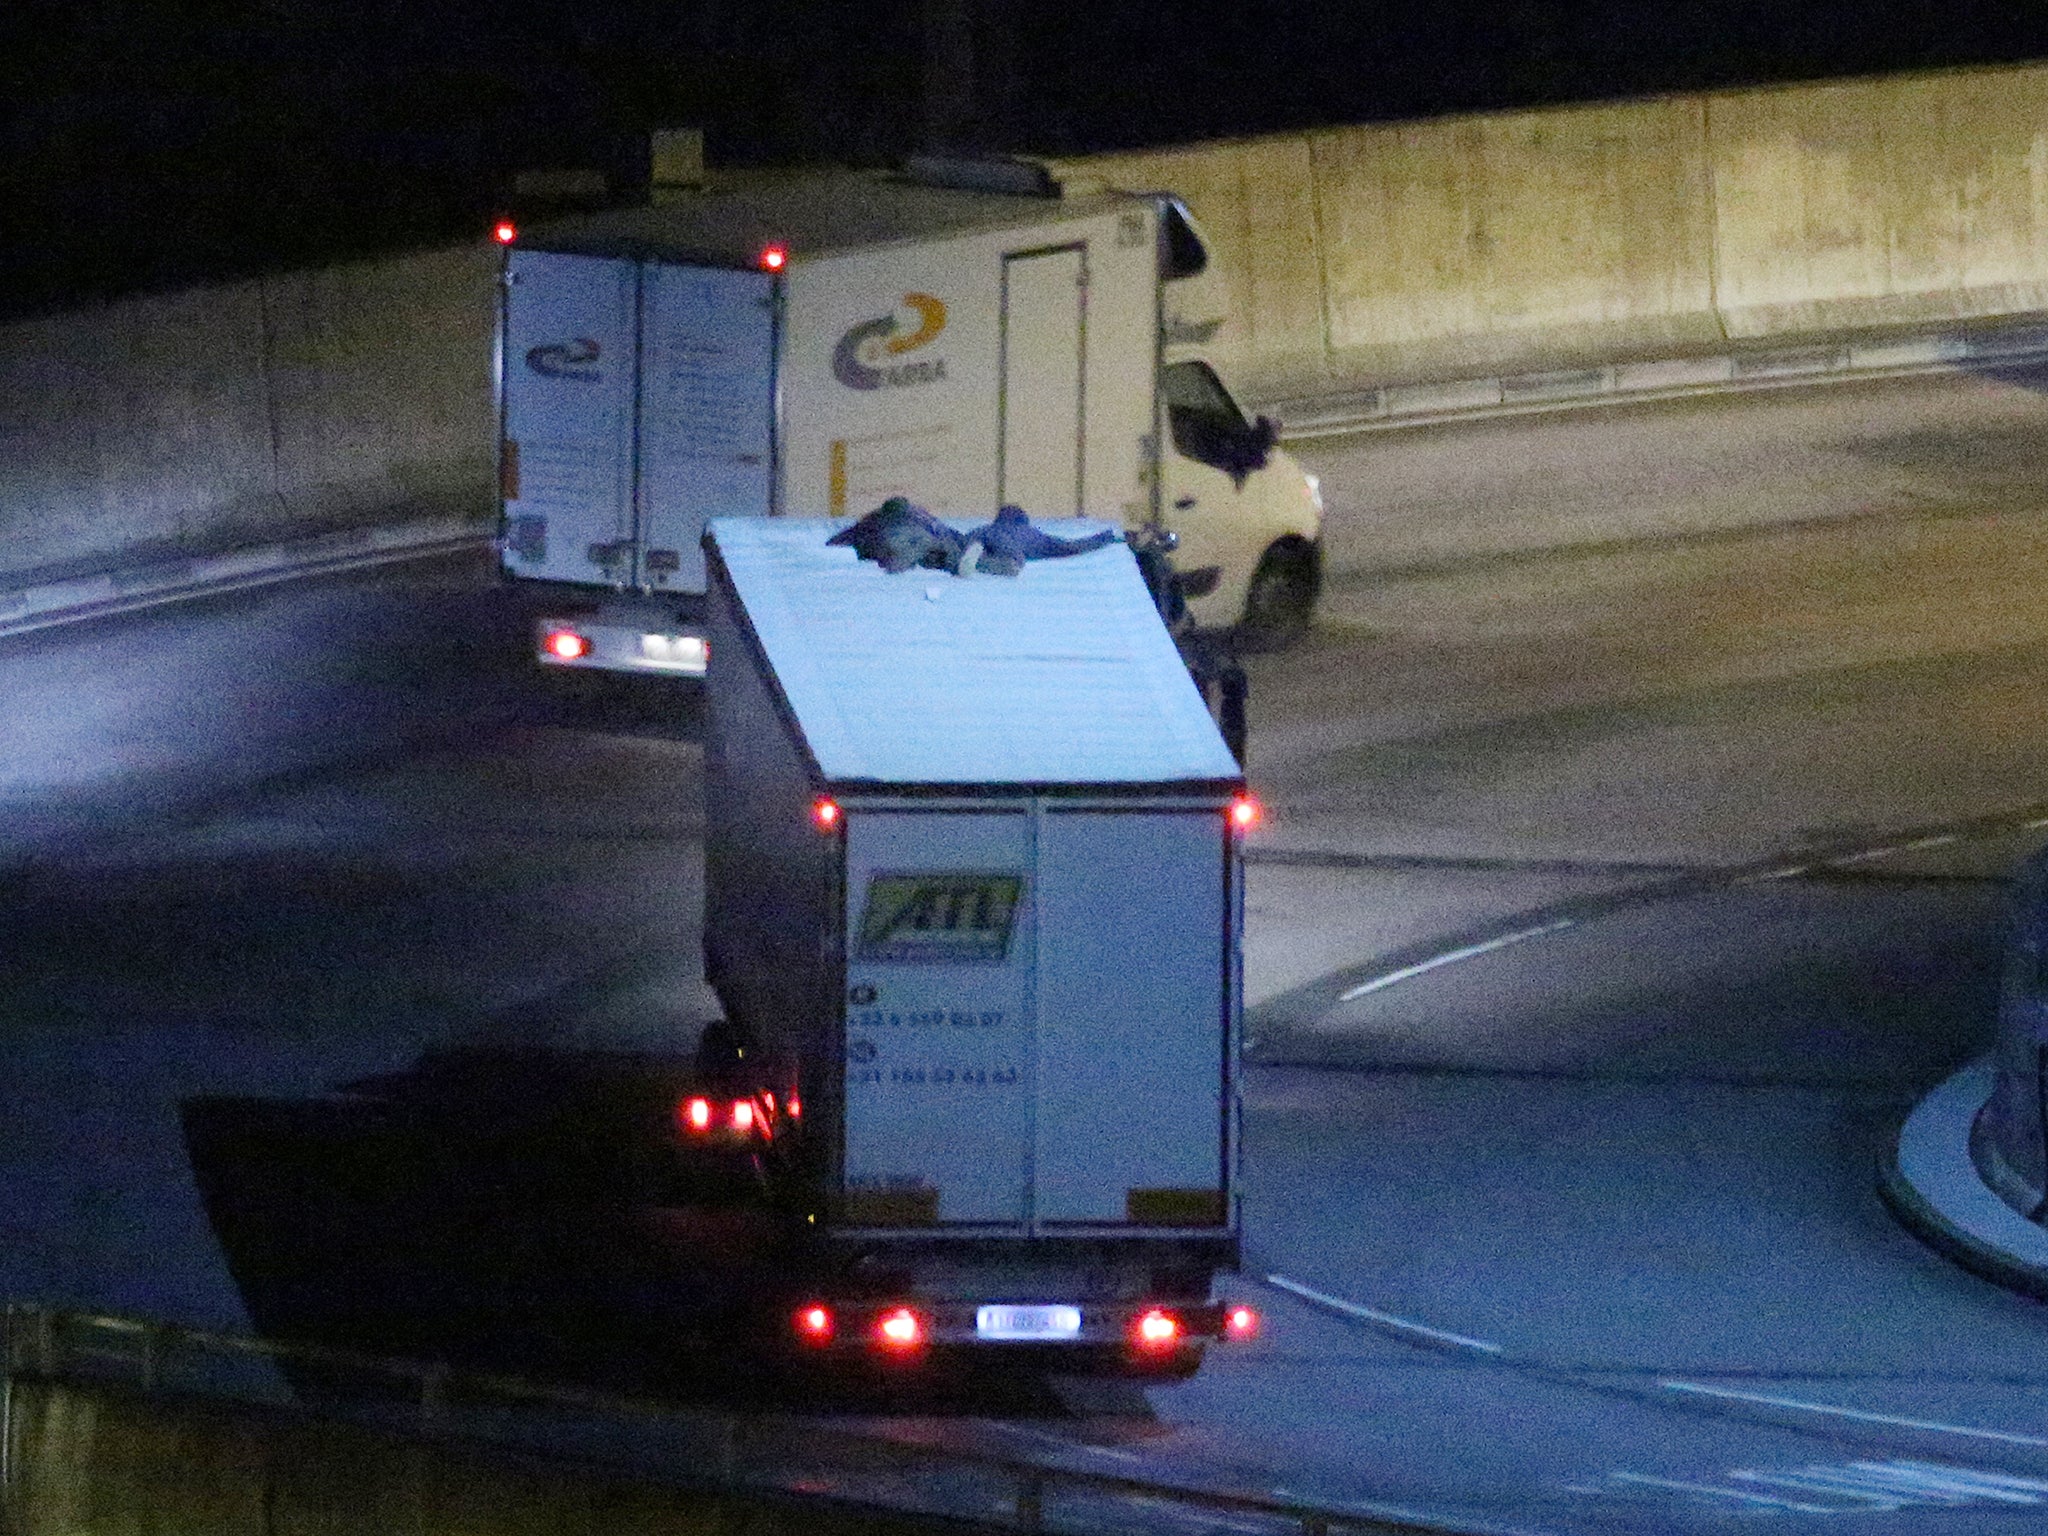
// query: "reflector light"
[[1157, 1329], [1241, 1323], [1244, 813], [698, 1113], [900, 1329], [825, 813], [504, 232], [567, 645], [774, 257], [814, 1323], [743, 1116], [769, 1100]]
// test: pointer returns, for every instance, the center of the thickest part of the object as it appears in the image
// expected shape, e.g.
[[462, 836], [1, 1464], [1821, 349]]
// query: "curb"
[[1414, 405], [1928, 1180], [46, 605]]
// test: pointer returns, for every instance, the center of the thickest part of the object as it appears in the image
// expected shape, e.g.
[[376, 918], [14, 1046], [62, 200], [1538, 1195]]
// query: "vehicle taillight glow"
[[1244, 813], [814, 1323], [796, 1107], [743, 1116], [1241, 1323], [697, 1114], [1156, 1329], [566, 645], [825, 813], [774, 257], [504, 232], [900, 1329]]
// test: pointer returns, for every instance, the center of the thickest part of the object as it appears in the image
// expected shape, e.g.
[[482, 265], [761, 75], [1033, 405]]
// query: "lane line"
[[1385, 1319], [1741, 1495], [1452, 957], [1932, 1425]]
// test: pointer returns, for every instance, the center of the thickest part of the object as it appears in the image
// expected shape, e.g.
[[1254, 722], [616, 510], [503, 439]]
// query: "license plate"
[[1027, 1322]]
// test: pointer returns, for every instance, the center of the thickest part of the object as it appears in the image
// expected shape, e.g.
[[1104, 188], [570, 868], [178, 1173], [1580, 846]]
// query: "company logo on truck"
[[866, 357], [565, 360]]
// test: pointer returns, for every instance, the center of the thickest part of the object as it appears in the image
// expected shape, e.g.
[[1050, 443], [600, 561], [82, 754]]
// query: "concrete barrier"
[[1881, 202], [98, 1460]]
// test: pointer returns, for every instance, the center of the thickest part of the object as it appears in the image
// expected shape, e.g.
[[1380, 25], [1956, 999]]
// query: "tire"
[[1281, 597]]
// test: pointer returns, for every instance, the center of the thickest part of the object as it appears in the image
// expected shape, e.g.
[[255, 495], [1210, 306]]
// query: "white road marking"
[[1384, 1319], [1452, 957], [1740, 1495], [1059, 1442], [1935, 1426]]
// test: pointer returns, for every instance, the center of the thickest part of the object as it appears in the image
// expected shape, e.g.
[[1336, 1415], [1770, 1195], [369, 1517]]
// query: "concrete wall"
[[1513, 242], [101, 1462], [248, 413]]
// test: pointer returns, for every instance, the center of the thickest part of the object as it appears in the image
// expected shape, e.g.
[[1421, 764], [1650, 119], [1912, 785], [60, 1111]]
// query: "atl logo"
[[866, 355]]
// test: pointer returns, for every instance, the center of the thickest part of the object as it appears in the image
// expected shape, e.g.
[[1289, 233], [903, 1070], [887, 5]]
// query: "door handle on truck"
[[1182, 503]]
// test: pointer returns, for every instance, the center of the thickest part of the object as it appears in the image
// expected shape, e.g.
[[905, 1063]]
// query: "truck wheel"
[[1281, 597]]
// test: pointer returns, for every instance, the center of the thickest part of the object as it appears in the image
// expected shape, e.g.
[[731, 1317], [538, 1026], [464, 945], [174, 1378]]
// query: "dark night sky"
[[149, 144]]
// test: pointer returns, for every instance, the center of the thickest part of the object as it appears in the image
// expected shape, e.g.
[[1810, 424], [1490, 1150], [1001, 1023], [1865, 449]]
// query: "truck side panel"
[[1135, 1017], [567, 376], [707, 411]]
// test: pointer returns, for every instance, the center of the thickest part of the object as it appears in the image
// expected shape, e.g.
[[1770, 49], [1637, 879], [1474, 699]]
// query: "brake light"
[[743, 1116], [774, 257], [1241, 1323], [900, 1329], [814, 1323], [697, 1114], [825, 812], [504, 232], [1156, 1329], [566, 645], [1244, 813]]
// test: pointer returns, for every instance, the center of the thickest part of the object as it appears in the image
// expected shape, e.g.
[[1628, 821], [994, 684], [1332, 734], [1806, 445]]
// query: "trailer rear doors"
[[638, 401], [1039, 1016]]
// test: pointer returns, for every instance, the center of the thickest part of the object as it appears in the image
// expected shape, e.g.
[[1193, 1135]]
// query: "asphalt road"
[[1616, 1160]]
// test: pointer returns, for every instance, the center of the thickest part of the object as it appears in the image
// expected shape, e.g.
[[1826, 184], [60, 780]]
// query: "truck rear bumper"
[[614, 642]]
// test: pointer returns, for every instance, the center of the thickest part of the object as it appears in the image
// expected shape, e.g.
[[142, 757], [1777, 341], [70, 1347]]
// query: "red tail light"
[[1156, 1329], [1240, 1323], [504, 232], [774, 257], [566, 645], [743, 1115], [697, 1114], [825, 813], [814, 1323], [899, 1329], [1244, 813]]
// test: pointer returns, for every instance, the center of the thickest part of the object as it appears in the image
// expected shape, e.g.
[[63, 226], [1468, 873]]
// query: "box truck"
[[973, 906], [963, 336]]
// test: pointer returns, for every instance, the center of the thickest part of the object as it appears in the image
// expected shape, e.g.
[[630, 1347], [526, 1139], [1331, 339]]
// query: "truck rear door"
[[567, 381], [1133, 1017], [1038, 1017], [707, 389]]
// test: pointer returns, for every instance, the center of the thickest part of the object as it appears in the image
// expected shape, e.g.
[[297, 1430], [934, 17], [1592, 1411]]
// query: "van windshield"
[[1206, 424]]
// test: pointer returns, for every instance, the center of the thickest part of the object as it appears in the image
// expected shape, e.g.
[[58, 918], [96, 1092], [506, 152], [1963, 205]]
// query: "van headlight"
[[1315, 488]]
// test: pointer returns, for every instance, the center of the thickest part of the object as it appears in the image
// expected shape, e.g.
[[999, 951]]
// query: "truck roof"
[[808, 215], [1060, 675]]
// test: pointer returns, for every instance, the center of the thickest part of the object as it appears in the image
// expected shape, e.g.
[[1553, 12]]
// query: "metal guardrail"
[[782, 1456]]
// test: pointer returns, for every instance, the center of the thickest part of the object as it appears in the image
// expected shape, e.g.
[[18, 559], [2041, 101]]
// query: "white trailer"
[[973, 907], [814, 346]]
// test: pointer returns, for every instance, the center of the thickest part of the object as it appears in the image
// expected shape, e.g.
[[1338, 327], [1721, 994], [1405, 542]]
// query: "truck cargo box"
[[973, 886]]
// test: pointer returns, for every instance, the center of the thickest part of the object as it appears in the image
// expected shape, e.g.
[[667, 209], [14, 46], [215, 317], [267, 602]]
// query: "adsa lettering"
[[566, 360], [865, 356]]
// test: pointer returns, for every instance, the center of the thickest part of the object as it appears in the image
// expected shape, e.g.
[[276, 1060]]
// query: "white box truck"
[[973, 905], [812, 346]]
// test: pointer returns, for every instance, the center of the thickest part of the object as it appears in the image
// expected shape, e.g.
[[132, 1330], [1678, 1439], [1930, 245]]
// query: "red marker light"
[[1156, 1329], [1244, 813], [774, 257], [1241, 1323], [566, 645], [814, 1324], [505, 232], [900, 1329], [743, 1116], [796, 1107], [697, 1114], [825, 813]]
